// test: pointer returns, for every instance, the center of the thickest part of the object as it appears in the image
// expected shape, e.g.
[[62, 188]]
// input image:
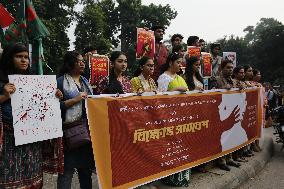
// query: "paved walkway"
[[271, 176], [215, 178]]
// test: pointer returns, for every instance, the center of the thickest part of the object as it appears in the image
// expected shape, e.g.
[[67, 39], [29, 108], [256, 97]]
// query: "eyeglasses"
[[80, 61]]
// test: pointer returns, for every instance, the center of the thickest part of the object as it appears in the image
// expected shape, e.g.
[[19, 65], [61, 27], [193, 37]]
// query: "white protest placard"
[[230, 56], [35, 109]]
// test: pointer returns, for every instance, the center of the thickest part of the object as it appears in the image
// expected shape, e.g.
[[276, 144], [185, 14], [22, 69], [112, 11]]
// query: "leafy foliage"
[[262, 47], [103, 23], [91, 29], [57, 16]]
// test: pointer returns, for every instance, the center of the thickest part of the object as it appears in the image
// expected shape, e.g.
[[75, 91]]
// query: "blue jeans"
[[85, 178]]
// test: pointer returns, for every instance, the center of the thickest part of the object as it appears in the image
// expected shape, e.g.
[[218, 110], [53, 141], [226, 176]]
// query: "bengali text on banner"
[[139, 139]]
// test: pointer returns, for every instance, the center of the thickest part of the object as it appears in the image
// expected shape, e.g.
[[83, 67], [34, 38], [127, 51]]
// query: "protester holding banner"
[[170, 80], [192, 75], [194, 81], [243, 79], [117, 82], [161, 51], [252, 78], [20, 166], [225, 81], [238, 75], [142, 82], [248, 75], [256, 82], [75, 89], [256, 78], [249, 82]]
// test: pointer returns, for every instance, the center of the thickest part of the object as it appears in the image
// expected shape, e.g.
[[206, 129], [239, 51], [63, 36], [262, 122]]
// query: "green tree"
[[112, 20], [252, 33], [133, 14], [238, 45], [265, 42], [157, 15], [129, 19], [138, 15], [90, 28], [57, 15], [94, 26], [268, 51]]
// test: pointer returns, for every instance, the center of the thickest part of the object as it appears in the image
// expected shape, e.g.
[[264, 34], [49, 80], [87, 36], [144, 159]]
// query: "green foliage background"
[[107, 24]]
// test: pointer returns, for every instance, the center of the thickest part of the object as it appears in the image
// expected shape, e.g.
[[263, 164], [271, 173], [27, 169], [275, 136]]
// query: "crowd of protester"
[[22, 166]]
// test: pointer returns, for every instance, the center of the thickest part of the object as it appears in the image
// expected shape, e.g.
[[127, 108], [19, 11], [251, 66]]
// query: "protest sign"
[[230, 56], [99, 68], [193, 51], [36, 110], [145, 43], [207, 64]]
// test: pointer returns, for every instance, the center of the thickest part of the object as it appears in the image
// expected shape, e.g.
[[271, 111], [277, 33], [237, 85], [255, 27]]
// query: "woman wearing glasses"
[[142, 82], [75, 89]]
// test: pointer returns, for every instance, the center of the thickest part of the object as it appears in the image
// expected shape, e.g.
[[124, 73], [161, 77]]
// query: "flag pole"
[[40, 55]]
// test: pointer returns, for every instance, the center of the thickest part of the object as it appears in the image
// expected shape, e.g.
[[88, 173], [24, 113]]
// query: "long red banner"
[[139, 139]]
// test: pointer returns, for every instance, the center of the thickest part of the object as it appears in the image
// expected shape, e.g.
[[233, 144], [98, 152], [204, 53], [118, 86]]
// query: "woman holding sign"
[[20, 166], [78, 151]]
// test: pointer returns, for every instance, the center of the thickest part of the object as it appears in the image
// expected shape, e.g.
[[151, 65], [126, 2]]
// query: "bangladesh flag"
[[16, 32], [6, 19], [35, 28], [26, 27]]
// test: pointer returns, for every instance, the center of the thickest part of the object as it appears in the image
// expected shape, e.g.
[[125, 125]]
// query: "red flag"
[[6, 19]]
